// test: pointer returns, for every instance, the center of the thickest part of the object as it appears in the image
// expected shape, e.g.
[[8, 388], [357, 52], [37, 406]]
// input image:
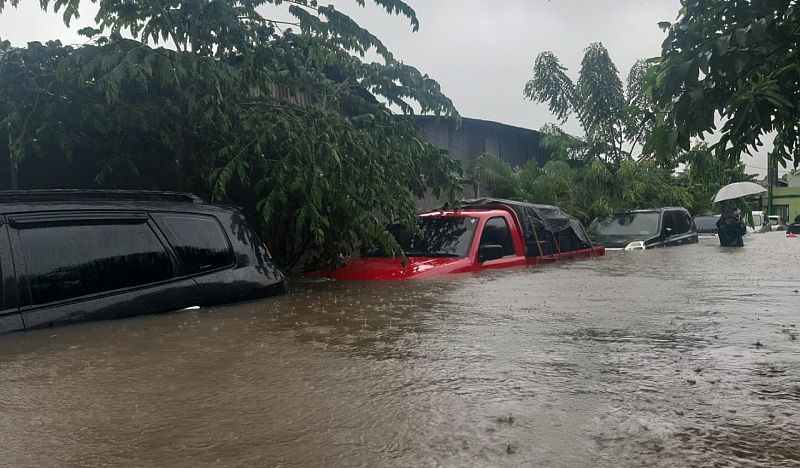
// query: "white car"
[[776, 223], [760, 223]]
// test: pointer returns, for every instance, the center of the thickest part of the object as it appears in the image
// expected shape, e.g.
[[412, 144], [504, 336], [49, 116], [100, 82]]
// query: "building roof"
[[466, 121]]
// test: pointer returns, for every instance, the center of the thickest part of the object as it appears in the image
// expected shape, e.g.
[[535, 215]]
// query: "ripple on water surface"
[[672, 357]]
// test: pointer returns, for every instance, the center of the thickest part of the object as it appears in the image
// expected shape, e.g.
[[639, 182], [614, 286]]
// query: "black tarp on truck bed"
[[546, 229]]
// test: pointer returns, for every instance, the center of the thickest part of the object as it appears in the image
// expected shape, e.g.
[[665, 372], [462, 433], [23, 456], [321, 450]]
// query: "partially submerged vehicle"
[[481, 234], [760, 223], [76, 255], [706, 225], [776, 223], [644, 229]]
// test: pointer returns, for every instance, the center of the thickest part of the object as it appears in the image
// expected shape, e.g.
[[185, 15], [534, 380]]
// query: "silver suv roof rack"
[[82, 194]]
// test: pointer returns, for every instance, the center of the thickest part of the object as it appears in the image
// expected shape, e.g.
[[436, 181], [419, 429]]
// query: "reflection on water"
[[673, 357]]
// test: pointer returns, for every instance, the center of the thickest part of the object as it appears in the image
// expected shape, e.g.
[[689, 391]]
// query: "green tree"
[[705, 174], [733, 62], [284, 118], [629, 153], [613, 120], [604, 170], [587, 189]]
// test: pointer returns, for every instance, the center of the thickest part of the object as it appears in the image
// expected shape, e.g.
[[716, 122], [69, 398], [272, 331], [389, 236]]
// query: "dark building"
[[475, 137]]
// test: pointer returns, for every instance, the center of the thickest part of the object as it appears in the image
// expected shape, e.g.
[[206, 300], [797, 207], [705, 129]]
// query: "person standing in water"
[[730, 228], [794, 228]]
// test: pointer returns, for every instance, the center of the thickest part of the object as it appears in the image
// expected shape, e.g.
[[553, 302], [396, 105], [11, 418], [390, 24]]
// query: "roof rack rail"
[[81, 194]]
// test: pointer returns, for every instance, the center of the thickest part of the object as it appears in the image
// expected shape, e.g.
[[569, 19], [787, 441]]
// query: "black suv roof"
[[21, 201], [652, 210], [64, 195]]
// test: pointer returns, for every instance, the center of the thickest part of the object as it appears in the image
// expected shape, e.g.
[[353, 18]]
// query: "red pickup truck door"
[[500, 230]]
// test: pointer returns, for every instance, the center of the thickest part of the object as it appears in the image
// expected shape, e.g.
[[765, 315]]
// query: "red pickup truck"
[[481, 234]]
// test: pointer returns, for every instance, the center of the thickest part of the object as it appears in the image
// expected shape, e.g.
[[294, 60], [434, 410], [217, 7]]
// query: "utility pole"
[[769, 187]]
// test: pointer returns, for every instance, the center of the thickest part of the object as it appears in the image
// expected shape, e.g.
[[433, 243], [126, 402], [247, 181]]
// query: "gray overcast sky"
[[480, 51]]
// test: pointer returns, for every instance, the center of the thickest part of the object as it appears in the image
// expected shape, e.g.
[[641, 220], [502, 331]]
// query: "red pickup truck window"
[[496, 232], [439, 236]]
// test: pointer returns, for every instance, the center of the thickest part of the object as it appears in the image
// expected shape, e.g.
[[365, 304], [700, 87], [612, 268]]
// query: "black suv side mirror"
[[667, 232], [490, 252]]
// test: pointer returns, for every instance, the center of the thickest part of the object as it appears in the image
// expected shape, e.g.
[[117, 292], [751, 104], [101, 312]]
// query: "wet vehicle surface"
[[485, 233], [707, 225], [644, 229], [669, 357], [73, 255]]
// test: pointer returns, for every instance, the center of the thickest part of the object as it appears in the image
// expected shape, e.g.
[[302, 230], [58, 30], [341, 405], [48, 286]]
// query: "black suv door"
[[690, 230], [10, 319], [227, 265], [681, 227], [75, 267], [667, 228]]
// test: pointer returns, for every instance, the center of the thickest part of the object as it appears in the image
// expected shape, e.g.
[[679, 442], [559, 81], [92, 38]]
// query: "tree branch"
[[167, 18]]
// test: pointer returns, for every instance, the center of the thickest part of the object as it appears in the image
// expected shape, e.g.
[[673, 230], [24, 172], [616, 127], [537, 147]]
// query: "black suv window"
[[669, 223], [77, 258], [680, 224], [684, 222], [2, 253], [496, 232], [199, 241]]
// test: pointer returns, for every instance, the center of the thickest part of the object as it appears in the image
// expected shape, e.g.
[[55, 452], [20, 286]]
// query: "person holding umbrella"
[[730, 227]]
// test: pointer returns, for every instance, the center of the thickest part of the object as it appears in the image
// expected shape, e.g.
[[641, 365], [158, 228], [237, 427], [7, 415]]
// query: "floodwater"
[[688, 356]]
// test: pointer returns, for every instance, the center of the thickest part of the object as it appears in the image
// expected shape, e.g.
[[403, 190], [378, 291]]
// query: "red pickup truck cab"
[[475, 237]]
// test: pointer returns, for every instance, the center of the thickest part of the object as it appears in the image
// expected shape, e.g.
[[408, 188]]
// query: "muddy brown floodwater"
[[688, 356]]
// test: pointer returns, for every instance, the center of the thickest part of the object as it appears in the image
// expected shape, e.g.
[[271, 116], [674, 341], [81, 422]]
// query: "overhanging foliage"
[[318, 163], [734, 62]]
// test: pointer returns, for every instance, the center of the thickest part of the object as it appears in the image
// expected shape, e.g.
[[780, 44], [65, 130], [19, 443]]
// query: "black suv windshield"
[[626, 224], [441, 236]]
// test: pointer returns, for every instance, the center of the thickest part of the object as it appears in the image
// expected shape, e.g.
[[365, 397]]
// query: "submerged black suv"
[[644, 229], [75, 255]]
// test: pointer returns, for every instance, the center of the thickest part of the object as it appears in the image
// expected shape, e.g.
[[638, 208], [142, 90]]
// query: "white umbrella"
[[737, 190]]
